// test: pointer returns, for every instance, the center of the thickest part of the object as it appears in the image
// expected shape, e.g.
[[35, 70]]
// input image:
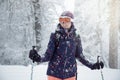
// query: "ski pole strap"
[[33, 61], [33, 49], [76, 75]]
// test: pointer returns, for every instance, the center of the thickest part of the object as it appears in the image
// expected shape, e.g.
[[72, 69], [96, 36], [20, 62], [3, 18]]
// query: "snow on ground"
[[24, 73]]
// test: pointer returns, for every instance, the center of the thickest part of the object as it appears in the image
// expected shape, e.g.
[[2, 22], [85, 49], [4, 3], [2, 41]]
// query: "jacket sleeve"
[[50, 49], [79, 55]]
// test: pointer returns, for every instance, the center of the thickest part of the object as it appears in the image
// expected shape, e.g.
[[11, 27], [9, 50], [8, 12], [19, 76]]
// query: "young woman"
[[63, 49]]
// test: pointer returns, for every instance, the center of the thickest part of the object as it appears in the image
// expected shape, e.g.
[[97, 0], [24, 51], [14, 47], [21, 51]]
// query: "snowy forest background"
[[24, 23]]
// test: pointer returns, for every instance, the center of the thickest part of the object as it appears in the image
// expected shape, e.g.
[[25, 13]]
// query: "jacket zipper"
[[65, 58]]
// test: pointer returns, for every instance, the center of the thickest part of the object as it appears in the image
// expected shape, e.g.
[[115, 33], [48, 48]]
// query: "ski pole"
[[98, 60], [32, 72], [32, 66], [101, 73], [76, 75]]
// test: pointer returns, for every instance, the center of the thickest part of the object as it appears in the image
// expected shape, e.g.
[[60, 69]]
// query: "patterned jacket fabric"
[[62, 58]]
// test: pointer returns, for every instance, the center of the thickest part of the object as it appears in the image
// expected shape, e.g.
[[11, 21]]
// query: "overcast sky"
[[69, 5]]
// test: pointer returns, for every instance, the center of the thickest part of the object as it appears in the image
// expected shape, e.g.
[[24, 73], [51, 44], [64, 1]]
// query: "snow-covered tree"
[[16, 31], [91, 21], [24, 23], [114, 19]]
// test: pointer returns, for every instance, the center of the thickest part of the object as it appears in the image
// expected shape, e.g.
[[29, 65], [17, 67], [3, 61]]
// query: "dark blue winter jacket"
[[62, 53]]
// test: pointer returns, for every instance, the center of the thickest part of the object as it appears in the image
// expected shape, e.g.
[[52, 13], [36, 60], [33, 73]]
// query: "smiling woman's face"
[[66, 25]]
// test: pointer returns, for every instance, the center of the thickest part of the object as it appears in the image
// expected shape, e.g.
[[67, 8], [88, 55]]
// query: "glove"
[[98, 65], [33, 55]]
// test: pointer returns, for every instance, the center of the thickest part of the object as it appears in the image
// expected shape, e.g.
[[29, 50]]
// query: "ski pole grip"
[[33, 61], [33, 47], [98, 59]]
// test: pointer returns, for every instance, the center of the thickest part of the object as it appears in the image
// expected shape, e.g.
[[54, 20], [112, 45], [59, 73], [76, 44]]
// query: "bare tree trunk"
[[37, 25], [113, 36]]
